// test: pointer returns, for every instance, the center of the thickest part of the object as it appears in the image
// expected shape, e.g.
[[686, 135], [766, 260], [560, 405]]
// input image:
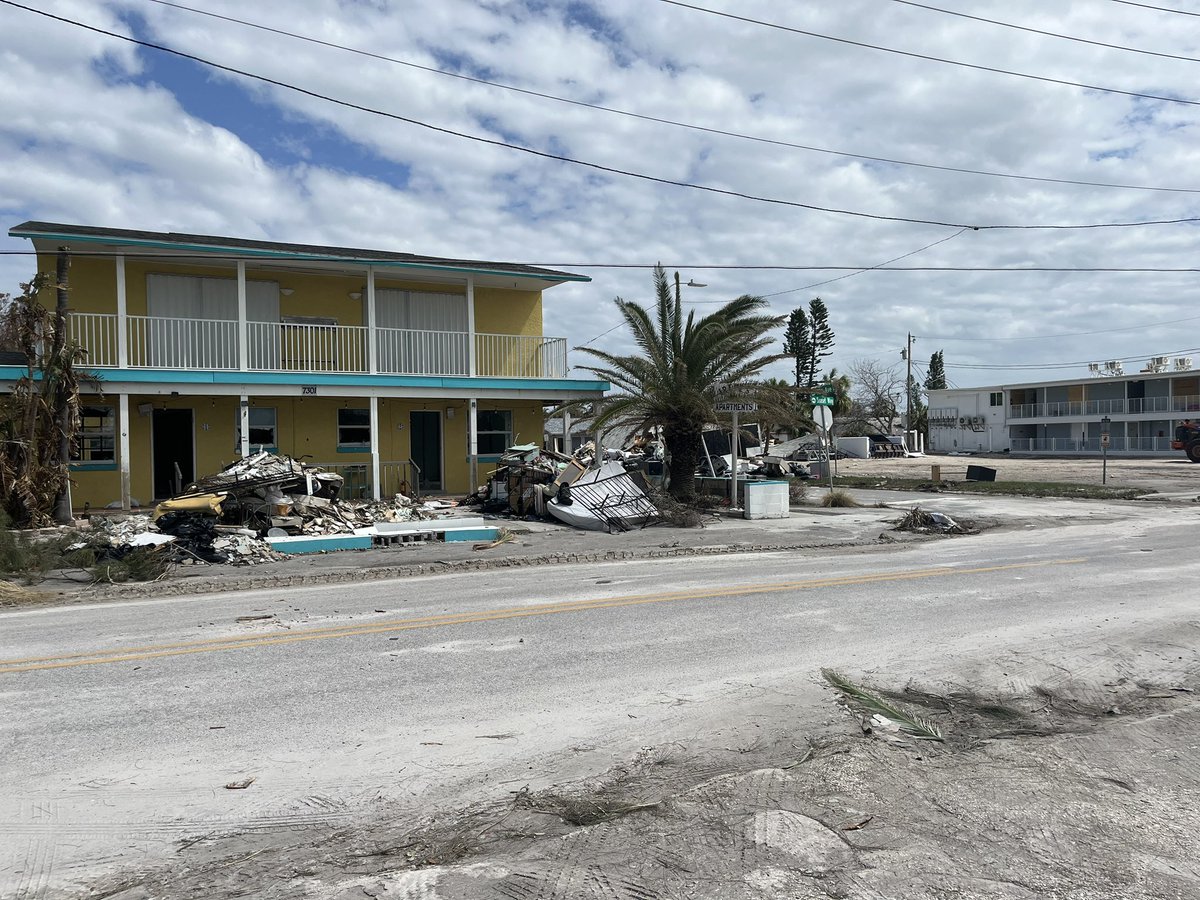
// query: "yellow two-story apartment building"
[[403, 373]]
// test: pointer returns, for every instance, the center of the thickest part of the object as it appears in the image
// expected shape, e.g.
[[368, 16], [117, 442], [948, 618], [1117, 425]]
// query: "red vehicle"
[[1187, 439]]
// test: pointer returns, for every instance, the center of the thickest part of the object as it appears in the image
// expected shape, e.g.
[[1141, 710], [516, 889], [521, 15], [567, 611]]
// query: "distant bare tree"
[[878, 391]]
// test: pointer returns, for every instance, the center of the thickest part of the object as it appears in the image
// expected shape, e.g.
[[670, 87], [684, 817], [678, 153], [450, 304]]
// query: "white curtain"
[[428, 332], [193, 322]]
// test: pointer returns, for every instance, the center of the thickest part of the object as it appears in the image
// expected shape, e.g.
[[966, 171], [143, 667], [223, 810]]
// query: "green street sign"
[[822, 401]]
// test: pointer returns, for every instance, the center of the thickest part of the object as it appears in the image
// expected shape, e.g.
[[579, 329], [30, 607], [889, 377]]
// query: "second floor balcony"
[[224, 344], [1077, 409]]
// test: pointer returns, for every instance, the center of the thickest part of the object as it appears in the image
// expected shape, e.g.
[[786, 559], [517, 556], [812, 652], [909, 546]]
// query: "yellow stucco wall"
[[93, 285], [305, 427]]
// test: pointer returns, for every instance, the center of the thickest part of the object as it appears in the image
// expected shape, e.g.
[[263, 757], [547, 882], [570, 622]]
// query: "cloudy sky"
[[809, 154]]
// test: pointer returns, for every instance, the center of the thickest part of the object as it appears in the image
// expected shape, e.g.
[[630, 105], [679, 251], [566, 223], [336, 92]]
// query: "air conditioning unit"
[[1158, 361], [978, 420], [1093, 369], [1183, 363], [963, 420], [1113, 367]]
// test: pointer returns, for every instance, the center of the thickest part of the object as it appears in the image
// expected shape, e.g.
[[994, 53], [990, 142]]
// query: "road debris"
[[240, 785], [921, 522]]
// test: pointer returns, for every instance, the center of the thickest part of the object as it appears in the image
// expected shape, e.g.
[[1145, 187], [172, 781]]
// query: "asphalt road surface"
[[133, 728]]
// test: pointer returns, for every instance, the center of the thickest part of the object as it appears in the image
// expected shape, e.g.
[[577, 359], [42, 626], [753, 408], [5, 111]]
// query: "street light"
[[691, 283], [1105, 425]]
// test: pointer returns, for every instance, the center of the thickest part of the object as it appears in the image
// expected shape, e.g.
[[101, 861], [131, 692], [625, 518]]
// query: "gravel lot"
[[1163, 474]]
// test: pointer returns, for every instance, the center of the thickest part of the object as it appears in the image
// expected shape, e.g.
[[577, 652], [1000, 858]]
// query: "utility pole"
[[908, 391], [62, 404]]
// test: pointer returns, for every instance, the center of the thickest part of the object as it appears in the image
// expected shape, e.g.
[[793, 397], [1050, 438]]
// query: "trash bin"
[[980, 473]]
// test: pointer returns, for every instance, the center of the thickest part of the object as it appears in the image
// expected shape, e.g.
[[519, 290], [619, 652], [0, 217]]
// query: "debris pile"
[[224, 517], [921, 522], [587, 490]]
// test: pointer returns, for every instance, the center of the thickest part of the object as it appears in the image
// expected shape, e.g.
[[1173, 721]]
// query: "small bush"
[[797, 491], [839, 498]]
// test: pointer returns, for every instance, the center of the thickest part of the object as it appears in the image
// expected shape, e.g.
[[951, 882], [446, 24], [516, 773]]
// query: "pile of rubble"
[[224, 517], [586, 490]]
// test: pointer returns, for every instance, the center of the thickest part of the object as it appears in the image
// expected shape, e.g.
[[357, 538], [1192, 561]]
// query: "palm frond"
[[908, 722]]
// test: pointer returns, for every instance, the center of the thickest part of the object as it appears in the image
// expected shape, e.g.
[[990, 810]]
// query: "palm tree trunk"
[[683, 452]]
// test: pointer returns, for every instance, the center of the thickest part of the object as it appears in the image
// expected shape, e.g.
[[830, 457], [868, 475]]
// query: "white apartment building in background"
[[1067, 417]]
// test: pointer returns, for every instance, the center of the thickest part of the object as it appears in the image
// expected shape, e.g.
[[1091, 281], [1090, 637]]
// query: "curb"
[[211, 586]]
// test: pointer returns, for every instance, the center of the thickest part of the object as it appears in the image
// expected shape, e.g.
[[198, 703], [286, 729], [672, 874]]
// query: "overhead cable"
[[691, 126], [928, 58], [1166, 9], [1053, 34], [793, 204], [168, 256]]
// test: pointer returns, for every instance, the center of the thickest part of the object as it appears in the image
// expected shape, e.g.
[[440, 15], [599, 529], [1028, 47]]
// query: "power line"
[[663, 121], [1043, 337], [1053, 34], [865, 269], [583, 163], [167, 257], [929, 58], [1066, 365], [1178, 12]]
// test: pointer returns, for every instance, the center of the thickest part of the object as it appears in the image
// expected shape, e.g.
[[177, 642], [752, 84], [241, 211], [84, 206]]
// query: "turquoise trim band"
[[454, 382]]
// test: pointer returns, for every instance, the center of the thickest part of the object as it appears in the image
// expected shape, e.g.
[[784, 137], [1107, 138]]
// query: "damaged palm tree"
[[685, 366], [39, 418]]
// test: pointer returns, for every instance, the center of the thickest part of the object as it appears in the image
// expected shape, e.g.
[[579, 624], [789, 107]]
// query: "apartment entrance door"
[[172, 445], [425, 446]]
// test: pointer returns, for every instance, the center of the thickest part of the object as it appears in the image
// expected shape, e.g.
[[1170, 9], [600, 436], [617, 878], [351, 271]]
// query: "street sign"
[[727, 406], [822, 401], [823, 417]]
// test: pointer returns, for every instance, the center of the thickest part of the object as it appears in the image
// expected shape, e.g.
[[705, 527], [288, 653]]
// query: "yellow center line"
[[235, 642]]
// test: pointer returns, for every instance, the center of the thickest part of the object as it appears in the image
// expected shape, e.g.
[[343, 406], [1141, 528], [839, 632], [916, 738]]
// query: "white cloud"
[[108, 149]]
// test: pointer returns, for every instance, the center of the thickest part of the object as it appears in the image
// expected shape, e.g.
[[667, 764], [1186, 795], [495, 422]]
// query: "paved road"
[[124, 723]]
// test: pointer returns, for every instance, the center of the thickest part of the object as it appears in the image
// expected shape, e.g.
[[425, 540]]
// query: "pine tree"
[[935, 378], [797, 340], [821, 339], [809, 339]]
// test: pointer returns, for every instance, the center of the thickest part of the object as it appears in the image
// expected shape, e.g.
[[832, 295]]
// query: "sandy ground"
[[1163, 474], [1074, 779]]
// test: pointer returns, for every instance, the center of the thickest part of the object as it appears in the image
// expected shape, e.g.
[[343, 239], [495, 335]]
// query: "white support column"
[[372, 332], [123, 449], [473, 442], [122, 317], [566, 419], [244, 424], [243, 324], [472, 364], [376, 468]]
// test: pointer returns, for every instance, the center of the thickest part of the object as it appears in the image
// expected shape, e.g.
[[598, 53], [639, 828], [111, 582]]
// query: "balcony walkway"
[[215, 345]]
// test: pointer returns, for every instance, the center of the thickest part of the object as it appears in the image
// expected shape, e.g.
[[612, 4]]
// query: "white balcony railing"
[[297, 347], [173, 343], [405, 352], [158, 343], [517, 356], [1079, 408], [97, 334]]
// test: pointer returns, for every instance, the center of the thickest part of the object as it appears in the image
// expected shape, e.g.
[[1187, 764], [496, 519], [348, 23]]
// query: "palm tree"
[[684, 368]]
